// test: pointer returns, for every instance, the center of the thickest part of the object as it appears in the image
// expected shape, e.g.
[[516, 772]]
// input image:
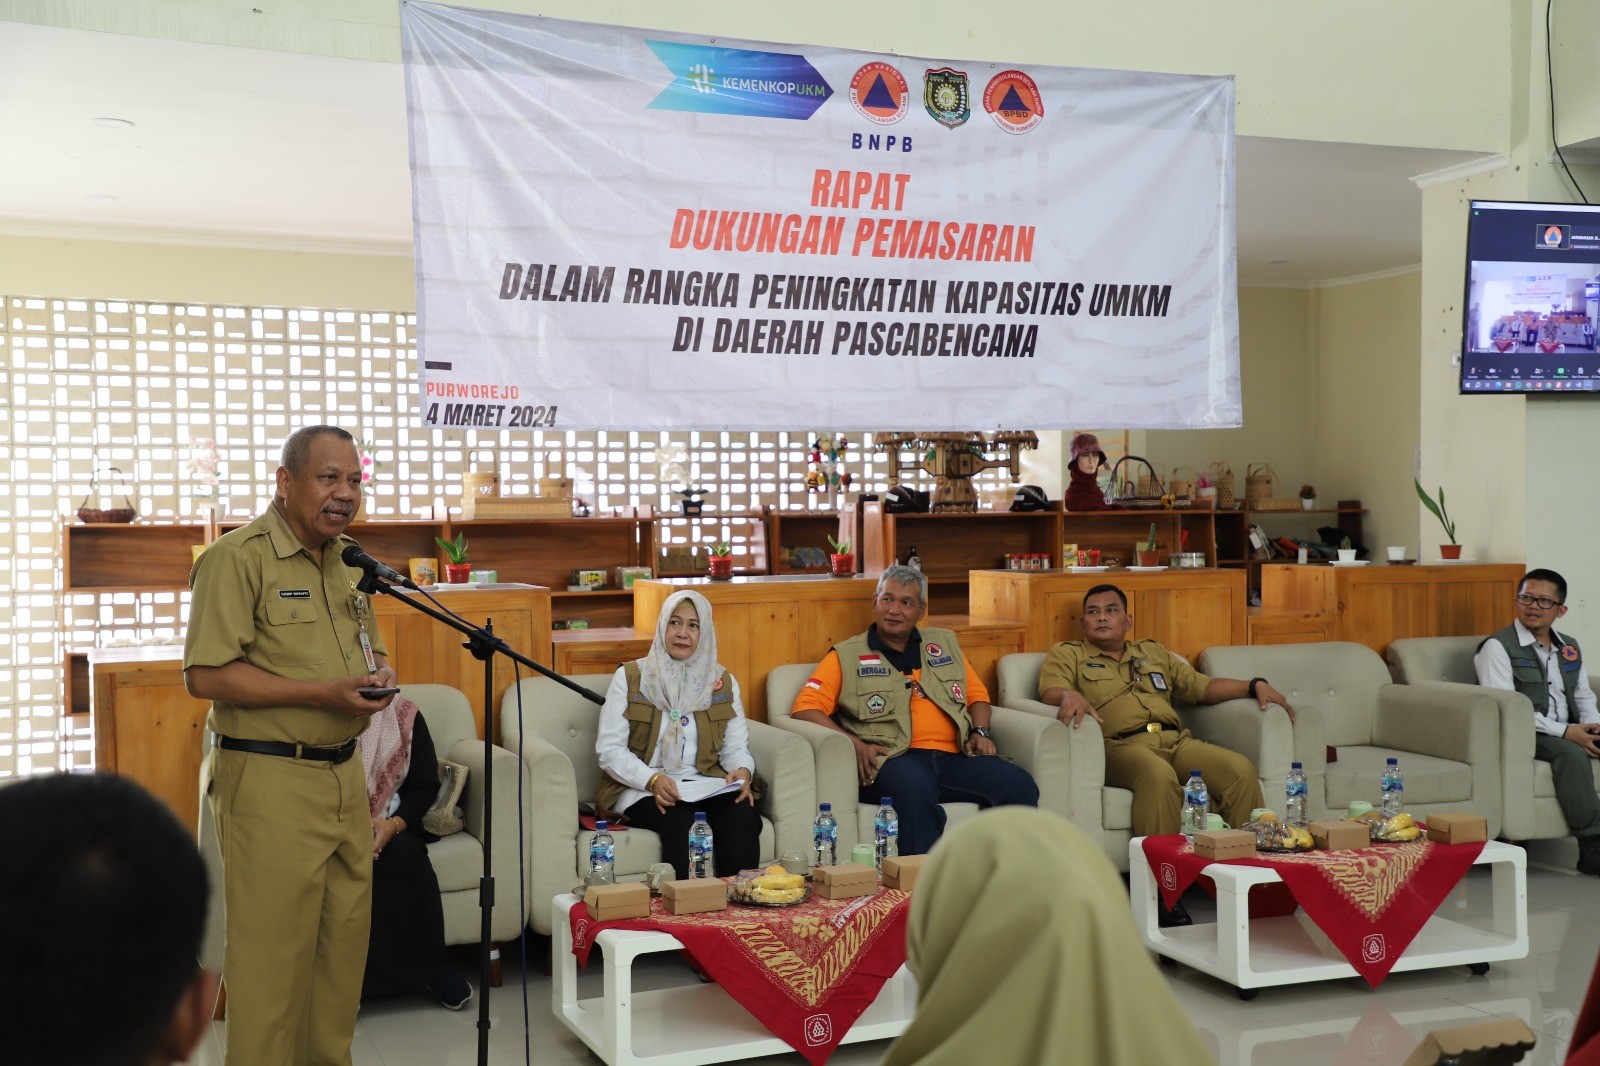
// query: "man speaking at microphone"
[[283, 645]]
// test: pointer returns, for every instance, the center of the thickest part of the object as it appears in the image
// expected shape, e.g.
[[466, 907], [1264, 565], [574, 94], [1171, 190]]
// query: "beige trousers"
[[1155, 765], [296, 840]]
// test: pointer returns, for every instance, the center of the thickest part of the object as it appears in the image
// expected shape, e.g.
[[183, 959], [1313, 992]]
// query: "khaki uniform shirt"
[[1130, 693], [260, 597]]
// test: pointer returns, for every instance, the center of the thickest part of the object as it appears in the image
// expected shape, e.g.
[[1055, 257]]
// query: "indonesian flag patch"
[[871, 659], [813, 683]]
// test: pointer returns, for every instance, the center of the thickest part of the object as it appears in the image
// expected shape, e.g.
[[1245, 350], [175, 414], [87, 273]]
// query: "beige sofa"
[[1447, 741], [1106, 813], [1444, 664], [557, 744], [1038, 747], [457, 859]]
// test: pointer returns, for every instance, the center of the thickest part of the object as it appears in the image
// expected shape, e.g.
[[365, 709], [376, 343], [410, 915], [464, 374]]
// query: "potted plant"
[[1146, 549], [841, 563], [1205, 493], [1347, 551], [1308, 497], [691, 504], [456, 567], [1446, 551], [721, 562]]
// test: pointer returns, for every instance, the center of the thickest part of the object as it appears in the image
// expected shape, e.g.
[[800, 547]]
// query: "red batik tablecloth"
[[806, 972], [1370, 902]]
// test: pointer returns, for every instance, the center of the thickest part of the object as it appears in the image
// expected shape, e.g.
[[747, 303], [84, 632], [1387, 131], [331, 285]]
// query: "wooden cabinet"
[[598, 651], [1375, 605], [146, 725], [1265, 625], [765, 622], [789, 531], [1186, 610]]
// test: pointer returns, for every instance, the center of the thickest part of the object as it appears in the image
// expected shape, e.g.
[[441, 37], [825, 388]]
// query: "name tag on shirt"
[[872, 671], [294, 594], [942, 660]]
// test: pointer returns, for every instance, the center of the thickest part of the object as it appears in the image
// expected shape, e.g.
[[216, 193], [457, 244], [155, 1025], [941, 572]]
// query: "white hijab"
[[681, 686]]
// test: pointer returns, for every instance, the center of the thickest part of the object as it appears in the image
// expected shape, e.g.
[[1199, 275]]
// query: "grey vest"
[[1527, 673]]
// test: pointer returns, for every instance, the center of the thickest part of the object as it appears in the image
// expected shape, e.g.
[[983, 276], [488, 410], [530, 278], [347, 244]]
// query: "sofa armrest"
[[833, 758], [552, 825], [508, 847], [786, 764], [1039, 746], [1085, 766], [1269, 740], [1460, 723]]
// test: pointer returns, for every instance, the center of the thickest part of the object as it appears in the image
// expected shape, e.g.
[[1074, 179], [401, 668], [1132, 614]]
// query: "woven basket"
[[513, 507], [480, 483], [1222, 478], [1276, 503], [106, 515], [1258, 482], [1182, 481]]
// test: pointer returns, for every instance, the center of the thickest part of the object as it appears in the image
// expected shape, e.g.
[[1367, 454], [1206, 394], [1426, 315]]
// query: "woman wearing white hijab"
[[1024, 950], [672, 733]]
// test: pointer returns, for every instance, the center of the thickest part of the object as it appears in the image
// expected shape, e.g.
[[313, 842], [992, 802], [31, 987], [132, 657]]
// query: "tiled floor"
[[1331, 1022]]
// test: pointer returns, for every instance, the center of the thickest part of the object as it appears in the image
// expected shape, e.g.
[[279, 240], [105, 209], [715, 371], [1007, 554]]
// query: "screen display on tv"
[[1533, 292]]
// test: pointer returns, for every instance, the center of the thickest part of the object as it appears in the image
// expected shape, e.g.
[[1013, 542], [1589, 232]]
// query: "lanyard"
[[359, 608]]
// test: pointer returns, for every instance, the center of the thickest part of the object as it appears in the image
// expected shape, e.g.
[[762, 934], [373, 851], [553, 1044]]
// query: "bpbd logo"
[[737, 81]]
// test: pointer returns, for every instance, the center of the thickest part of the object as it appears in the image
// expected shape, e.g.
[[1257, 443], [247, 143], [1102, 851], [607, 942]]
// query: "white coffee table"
[[1253, 953], [681, 1026]]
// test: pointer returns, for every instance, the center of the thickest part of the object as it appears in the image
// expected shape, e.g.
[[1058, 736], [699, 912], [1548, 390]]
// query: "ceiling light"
[[113, 123], [99, 198]]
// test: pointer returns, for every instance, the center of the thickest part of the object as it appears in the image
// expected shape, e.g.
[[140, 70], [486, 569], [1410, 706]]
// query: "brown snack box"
[[1457, 828], [846, 873], [693, 895], [1340, 835], [1225, 844], [608, 903], [902, 871], [845, 891], [1488, 1044]]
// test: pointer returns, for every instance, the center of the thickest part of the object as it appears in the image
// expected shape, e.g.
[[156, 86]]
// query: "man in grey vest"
[[1530, 657], [916, 714]]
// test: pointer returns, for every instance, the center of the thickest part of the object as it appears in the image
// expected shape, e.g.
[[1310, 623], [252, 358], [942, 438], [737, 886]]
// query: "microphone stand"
[[483, 645]]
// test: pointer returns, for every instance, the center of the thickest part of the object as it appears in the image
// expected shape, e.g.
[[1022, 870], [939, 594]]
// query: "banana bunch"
[[1275, 834], [1394, 830], [775, 885]]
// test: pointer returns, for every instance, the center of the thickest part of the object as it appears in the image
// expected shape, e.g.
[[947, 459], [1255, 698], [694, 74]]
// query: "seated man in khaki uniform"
[[1128, 688]]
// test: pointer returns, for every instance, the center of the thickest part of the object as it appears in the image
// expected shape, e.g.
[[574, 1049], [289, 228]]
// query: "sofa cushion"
[[1544, 785], [1428, 779], [457, 862], [1116, 811]]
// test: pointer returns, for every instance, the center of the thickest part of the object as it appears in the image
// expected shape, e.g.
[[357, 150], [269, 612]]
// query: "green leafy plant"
[[455, 550], [1150, 541], [1438, 510], [840, 547], [722, 549]]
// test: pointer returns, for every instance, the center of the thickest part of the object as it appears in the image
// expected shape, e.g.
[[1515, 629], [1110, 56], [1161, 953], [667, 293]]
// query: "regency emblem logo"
[[1012, 99], [946, 97]]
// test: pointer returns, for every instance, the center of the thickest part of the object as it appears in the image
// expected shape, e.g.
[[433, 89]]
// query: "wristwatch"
[[982, 732], [1254, 681]]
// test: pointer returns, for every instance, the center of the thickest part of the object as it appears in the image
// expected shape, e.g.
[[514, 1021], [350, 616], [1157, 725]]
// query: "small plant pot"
[[721, 567], [1307, 504], [1347, 555], [1149, 557], [842, 565], [457, 573], [1449, 551]]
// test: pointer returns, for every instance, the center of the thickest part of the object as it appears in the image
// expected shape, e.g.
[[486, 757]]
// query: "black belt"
[[1148, 727], [287, 751]]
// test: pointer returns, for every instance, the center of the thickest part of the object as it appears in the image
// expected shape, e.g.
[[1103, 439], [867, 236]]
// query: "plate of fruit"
[[772, 887], [1275, 834], [1395, 829]]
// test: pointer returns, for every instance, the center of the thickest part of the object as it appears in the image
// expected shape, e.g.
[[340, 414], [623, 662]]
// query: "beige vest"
[[875, 698], [644, 729]]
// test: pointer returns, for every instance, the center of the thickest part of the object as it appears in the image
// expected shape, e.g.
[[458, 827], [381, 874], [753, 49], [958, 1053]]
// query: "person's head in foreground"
[[102, 907], [1024, 950]]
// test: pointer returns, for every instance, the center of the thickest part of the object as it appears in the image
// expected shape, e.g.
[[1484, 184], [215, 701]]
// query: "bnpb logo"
[[880, 93]]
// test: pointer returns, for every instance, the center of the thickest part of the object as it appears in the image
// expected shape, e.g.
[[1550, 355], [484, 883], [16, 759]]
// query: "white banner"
[[618, 228], [1538, 292]]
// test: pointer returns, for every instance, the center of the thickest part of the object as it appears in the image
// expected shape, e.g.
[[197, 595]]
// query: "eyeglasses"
[[1538, 601]]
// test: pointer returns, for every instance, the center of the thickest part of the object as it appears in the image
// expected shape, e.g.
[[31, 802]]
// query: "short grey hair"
[[904, 575], [297, 449]]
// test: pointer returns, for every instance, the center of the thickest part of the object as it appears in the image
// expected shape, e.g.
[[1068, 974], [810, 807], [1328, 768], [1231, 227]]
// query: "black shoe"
[[453, 991], [1589, 855], [1175, 917]]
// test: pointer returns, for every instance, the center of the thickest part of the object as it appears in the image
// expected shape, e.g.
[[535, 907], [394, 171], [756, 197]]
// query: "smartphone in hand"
[[372, 692]]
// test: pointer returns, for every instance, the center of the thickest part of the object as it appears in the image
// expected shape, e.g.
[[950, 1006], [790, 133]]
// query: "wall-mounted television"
[[1533, 296]]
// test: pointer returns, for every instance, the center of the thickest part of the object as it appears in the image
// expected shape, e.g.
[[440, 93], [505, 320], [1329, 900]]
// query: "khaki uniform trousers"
[[1155, 765], [296, 840]]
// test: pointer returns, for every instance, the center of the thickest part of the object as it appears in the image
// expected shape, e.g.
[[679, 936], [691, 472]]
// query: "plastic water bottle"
[[825, 837], [1394, 789], [602, 856], [1196, 805], [701, 852], [886, 832], [1294, 795]]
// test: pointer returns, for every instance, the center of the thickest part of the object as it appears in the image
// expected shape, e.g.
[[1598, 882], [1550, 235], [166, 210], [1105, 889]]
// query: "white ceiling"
[[241, 146]]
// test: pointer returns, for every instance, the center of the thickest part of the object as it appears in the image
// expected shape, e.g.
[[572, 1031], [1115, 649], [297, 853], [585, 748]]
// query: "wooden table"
[[147, 726], [1188, 611], [1377, 604], [764, 622]]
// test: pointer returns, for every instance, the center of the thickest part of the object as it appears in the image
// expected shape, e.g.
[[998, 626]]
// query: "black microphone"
[[354, 556]]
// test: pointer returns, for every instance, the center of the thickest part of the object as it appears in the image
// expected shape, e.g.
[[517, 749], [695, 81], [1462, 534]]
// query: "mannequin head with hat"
[[1086, 453]]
